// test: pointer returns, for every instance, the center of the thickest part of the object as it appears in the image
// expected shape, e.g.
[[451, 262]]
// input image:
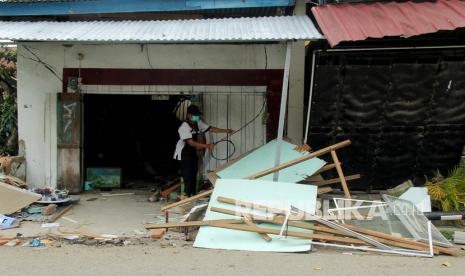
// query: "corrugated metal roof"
[[352, 22], [168, 31]]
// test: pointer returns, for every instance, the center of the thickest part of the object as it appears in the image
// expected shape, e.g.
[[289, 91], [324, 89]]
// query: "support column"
[[295, 117], [282, 110]]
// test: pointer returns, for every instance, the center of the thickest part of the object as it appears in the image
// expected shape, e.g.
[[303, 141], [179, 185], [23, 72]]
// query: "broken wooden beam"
[[212, 177], [237, 225], [276, 220], [320, 237], [300, 159], [340, 174], [250, 205], [247, 220], [188, 223], [324, 190], [187, 200], [324, 169], [336, 180], [57, 215]]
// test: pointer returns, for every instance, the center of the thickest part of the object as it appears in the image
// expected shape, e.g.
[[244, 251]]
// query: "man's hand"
[[229, 131], [210, 146]]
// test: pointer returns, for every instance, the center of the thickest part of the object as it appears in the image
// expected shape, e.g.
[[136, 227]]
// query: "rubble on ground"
[[258, 215]]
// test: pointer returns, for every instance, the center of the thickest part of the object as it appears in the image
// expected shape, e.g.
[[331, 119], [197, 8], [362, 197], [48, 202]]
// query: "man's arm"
[[221, 130], [198, 145]]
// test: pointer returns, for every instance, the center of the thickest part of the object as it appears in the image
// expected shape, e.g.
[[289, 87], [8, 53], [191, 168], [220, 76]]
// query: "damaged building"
[[110, 94]]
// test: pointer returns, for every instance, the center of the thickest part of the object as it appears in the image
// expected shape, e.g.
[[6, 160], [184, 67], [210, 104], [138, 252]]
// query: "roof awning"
[[165, 31], [353, 22]]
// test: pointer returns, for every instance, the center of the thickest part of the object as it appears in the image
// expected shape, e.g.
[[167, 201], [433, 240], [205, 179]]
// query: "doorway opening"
[[135, 134]]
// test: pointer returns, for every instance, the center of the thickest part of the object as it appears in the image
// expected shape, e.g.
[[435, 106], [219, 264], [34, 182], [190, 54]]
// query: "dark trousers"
[[189, 168]]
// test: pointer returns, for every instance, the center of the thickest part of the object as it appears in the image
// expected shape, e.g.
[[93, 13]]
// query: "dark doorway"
[[133, 132]]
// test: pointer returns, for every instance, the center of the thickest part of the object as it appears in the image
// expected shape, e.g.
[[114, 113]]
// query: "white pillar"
[[282, 109], [295, 119]]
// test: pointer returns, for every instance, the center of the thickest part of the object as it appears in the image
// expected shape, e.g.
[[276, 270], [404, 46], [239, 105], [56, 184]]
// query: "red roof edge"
[[359, 21]]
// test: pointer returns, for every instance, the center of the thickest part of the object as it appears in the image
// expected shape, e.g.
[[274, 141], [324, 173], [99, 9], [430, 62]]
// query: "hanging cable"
[[39, 60], [231, 143]]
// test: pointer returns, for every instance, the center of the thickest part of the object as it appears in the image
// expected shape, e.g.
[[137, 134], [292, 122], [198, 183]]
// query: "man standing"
[[186, 148]]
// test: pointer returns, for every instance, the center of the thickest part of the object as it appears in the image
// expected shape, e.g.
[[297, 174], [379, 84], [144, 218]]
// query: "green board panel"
[[274, 194], [263, 158], [69, 119], [104, 177]]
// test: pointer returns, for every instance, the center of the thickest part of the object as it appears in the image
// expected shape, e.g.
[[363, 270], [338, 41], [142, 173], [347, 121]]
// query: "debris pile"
[[248, 211], [18, 204]]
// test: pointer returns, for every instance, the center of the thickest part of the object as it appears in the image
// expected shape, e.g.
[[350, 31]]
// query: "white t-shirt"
[[185, 133]]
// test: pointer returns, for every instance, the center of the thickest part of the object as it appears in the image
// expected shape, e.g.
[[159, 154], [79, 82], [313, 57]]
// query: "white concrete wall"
[[37, 86]]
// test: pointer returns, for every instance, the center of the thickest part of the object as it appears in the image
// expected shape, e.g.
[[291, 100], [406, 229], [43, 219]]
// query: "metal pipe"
[[361, 248], [445, 215], [282, 111], [310, 96]]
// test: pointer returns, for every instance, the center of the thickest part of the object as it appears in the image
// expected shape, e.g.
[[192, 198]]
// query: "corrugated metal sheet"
[[352, 22], [168, 31]]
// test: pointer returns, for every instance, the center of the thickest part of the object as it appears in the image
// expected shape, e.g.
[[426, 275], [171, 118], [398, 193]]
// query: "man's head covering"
[[194, 110]]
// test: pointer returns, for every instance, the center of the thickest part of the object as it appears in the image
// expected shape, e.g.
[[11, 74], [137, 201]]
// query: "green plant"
[[448, 193], [8, 108]]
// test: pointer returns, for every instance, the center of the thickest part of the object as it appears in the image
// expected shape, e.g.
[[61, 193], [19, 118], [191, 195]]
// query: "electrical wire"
[[231, 143], [39, 60]]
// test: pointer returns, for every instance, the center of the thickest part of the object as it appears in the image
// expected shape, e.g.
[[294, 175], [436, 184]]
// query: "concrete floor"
[[119, 215], [182, 259]]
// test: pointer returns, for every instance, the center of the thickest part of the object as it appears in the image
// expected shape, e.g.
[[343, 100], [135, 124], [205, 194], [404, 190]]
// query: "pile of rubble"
[[249, 211]]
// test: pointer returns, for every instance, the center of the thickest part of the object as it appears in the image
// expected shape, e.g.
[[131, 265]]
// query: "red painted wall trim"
[[272, 79]]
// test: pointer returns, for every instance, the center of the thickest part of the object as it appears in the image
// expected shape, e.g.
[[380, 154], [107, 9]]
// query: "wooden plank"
[[325, 168], [57, 215], [249, 205], [324, 190], [341, 174], [300, 159], [212, 177], [187, 200], [277, 220], [234, 225], [336, 180], [248, 221], [296, 234], [188, 223]]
